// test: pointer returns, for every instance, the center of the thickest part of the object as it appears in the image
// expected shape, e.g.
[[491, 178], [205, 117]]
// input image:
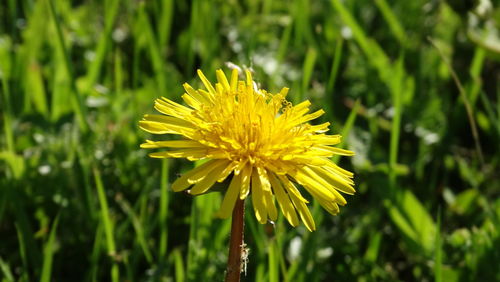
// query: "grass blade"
[[103, 45], [438, 252], [465, 100], [347, 127], [335, 67], [307, 70], [138, 227], [7, 274], [162, 218], [392, 20], [108, 225], [179, 266], [273, 261], [48, 253], [77, 99], [6, 106]]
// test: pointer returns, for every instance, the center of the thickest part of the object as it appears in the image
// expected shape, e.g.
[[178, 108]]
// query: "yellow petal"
[[207, 96], [266, 186], [225, 173], [258, 199], [234, 80], [291, 189], [305, 159], [249, 79], [270, 206], [230, 197], [299, 202], [239, 167], [318, 182], [327, 139], [182, 153], [312, 186], [284, 202], [172, 144], [338, 169], [320, 128], [192, 102], [207, 83], [301, 106], [182, 182], [196, 94], [304, 212], [209, 180], [338, 151], [171, 108], [284, 91], [221, 78], [309, 117], [268, 196], [331, 207], [338, 182], [246, 174], [159, 124]]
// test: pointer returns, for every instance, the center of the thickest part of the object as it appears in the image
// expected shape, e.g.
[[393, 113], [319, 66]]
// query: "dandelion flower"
[[260, 141]]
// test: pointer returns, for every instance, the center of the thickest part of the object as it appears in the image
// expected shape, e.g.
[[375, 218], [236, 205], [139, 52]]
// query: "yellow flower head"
[[264, 142]]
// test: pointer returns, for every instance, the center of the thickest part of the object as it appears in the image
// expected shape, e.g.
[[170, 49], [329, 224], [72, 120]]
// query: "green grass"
[[407, 83]]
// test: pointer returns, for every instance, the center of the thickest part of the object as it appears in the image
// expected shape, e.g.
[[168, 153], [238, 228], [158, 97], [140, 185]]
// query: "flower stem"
[[236, 245]]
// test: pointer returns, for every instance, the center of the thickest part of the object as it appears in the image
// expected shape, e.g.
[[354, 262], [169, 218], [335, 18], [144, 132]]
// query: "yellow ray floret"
[[258, 140]]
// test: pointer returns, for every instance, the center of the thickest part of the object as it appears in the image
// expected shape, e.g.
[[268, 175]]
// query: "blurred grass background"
[[80, 201]]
